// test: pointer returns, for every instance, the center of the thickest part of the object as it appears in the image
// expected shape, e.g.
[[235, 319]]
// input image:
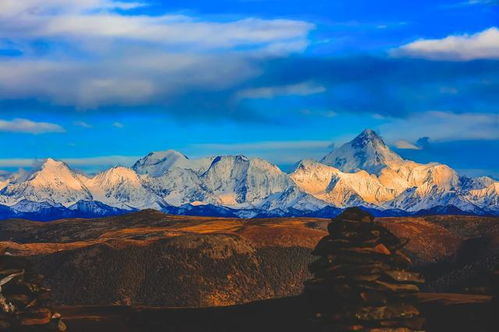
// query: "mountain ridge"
[[362, 172]]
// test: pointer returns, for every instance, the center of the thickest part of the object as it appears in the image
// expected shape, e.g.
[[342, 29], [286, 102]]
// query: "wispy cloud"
[[481, 45], [27, 126], [102, 161], [44, 7], [118, 125], [96, 19], [473, 3], [443, 126], [117, 58], [82, 124], [301, 89], [483, 2], [406, 145]]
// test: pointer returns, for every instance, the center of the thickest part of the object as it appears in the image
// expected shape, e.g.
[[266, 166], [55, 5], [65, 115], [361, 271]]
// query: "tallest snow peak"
[[368, 136], [366, 152], [49, 162]]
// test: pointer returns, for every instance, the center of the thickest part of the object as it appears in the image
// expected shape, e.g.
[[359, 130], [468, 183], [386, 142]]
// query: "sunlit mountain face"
[[363, 172], [255, 107]]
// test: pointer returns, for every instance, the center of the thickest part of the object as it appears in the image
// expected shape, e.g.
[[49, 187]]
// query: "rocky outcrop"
[[362, 280], [23, 299]]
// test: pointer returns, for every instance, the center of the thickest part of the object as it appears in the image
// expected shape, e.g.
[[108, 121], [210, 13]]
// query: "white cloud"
[[140, 77], [170, 30], [29, 127], [95, 19], [443, 126], [82, 124], [481, 45], [403, 144], [112, 58], [325, 114], [103, 161], [302, 89], [51, 7], [118, 125], [475, 2]]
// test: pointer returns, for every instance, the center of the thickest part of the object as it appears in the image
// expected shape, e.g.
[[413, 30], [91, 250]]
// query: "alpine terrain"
[[362, 172]]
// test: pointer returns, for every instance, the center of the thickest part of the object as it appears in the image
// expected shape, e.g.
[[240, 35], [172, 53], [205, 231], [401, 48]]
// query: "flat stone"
[[415, 323], [380, 249], [369, 314], [328, 245], [322, 265], [355, 213], [364, 258], [6, 272], [36, 317], [404, 276], [393, 287], [361, 232]]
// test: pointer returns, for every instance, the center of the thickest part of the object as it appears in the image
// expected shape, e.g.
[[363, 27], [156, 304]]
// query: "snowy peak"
[[55, 173], [362, 172], [157, 163], [366, 152], [236, 180], [121, 187], [368, 138], [52, 163], [53, 181], [116, 176], [338, 188]]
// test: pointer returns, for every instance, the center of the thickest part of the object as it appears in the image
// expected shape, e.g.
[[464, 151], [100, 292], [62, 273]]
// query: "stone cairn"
[[361, 280], [23, 299]]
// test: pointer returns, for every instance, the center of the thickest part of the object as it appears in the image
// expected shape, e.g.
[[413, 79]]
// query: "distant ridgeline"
[[363, 172]]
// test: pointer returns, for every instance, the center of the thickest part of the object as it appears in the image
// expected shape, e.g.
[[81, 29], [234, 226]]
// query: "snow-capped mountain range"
[[362, 172]]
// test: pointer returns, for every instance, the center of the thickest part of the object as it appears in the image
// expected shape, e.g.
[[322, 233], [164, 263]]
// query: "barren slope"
[[150, 258]]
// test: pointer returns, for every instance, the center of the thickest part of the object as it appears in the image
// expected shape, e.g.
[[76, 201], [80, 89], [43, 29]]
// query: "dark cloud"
[[473, 155], [390, 87], [423, 142], [394, 87]]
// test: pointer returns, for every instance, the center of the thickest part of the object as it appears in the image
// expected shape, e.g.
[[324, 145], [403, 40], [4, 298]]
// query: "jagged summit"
[[156, 164], [49, 165], [122, 187], [362, 172], [50, 162], [367, 137], [53, 181], [366, 152]]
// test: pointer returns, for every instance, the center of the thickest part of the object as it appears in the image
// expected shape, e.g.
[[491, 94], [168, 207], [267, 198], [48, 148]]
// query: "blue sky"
[[102, 82]]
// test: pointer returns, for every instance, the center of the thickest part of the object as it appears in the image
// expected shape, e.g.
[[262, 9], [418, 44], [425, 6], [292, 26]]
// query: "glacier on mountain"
[[364, 171]]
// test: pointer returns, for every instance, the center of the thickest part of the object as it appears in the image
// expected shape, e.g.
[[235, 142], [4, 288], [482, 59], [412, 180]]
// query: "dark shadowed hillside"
[[150, 258]]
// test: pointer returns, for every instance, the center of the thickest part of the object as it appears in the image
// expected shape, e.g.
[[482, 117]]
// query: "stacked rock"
[[361, 280], [23, 299]]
